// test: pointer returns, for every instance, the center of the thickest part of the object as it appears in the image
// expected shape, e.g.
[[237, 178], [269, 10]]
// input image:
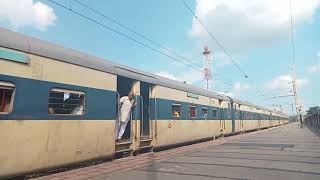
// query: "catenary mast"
[[207, 72]]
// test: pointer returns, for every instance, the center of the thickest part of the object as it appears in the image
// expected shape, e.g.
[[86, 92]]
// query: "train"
[[42, 84]]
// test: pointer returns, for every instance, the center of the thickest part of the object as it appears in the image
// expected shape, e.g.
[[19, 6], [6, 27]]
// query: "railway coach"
[[59, 107]]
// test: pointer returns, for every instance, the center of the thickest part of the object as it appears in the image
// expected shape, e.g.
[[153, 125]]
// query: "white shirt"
[[78, 110], [125, 108]]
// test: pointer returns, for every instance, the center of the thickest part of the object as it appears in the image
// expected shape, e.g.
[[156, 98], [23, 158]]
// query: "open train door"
[[235, 117], [258, 118], [145, 122], [123, 146], [241, 119], [222, 120], [232, 115], [270, 120]]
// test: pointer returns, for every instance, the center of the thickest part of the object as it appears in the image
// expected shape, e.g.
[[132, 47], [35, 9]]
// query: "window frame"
[[215, 115], [202, 108], [9, 86], [176, 104], [62, 90], [195, 111]]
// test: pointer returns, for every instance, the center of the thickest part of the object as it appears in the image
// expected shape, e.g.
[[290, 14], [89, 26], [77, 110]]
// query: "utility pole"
[[294, 76], [296, 97], [207, 73]]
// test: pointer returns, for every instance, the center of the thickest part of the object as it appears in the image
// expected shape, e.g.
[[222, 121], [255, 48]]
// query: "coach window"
[[192, 111], [229, 111], [205, 112], [66, 102], [235, 111], [176, 110], [6, 97], [215, 112]]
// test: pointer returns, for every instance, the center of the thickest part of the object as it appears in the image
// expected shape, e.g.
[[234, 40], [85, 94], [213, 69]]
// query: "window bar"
[[3, 100]]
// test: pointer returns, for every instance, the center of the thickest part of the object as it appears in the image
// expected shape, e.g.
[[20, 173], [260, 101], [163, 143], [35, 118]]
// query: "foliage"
[[313, 110]]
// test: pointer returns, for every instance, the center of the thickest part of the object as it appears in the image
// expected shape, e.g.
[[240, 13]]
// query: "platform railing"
[[313, 120]]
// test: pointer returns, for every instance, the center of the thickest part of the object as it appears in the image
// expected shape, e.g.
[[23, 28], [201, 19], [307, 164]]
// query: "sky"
[[255, 33]]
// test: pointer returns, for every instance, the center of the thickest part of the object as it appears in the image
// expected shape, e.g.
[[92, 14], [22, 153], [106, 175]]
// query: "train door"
[[270, 120], [232, 116], [257, 115], [241, 119], [145, 90], [318, 119], [235, 116], [222, 119], [145, 123], [124, 86]]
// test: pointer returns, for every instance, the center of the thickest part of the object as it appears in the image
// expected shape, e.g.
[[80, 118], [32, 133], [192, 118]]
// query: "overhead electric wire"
[[294, 75], [272, 91], [133, 31], [145, 37], [280, 96], [217, 76], [215, 39], [292, 37], [130, 38], [221, 46], [120, 33]]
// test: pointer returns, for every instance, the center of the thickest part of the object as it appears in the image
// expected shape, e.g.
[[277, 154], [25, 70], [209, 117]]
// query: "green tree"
[[313, 110]]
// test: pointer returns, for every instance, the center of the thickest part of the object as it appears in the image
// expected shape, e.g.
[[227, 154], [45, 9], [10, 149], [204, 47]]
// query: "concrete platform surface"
[[286, 152]]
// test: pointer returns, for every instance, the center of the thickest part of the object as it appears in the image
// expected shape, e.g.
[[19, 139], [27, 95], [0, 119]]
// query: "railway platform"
[[285, 152]]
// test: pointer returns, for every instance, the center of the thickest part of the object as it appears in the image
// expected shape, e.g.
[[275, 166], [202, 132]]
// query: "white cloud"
[[21, 13], [166, 75], [226, 93], [191, 76], [177, 64], [221, 59], [283, 83], [315, 68], [239, 90], [238, 87], [250, 23]]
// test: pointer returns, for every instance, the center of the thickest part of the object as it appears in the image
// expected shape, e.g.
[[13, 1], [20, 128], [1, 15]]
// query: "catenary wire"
[[145, 37]]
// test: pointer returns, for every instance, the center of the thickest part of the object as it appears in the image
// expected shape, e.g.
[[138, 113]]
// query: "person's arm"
[[121, 102], [134, 103]]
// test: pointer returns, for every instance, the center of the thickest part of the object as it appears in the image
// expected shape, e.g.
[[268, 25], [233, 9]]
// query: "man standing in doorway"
[[126, 104]]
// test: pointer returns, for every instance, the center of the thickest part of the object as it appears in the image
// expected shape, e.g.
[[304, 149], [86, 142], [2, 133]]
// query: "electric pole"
[[296, 97], [207, 73], [294, 76]]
